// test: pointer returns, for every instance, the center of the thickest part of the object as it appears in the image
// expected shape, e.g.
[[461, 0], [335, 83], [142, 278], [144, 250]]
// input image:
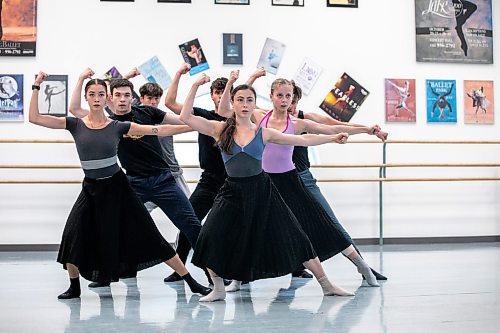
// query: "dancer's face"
[[244, 103], [282, 97], [292, 109], [122, 100], [216, 95], [150, 100], [96, 97]]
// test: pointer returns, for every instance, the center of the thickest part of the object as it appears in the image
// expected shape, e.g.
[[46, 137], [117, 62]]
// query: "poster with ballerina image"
[[53, 96], [458, 31], [271, 55], [306, 75], [154, 71], [193, 54], [441, 101], [18, 28], [345, 99], [11, 97], [400, 104], [478, 102]]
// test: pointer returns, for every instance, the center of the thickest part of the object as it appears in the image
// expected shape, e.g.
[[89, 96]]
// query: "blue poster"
[[193, 54], [11, 97], [154, 71], [441, 101]]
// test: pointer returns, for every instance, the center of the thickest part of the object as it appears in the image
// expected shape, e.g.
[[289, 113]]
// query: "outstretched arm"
[[225, 108], [202, 125], [171, 98], [34, 114], [274, 136], [159, 130], [75, 104]]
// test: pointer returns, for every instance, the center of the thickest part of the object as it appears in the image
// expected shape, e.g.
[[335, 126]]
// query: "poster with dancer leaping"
[[478, 102], [18, 28], [441, 101], [454, 31], [400, 104], [53, 99]]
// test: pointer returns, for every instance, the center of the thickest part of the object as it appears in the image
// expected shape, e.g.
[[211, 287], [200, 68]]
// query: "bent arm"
[[75, 104], [171, 97], [225, 110], [34, 113], [159, 130]]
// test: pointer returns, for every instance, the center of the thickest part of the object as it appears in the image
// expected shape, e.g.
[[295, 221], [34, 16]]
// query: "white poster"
[[306, 75], [271, 55]]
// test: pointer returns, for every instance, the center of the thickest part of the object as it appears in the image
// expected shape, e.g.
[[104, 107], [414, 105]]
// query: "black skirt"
[[250, 233], [109, 233], [326, 239]]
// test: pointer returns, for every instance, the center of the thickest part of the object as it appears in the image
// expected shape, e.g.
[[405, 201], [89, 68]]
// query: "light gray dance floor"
[[431, 288]]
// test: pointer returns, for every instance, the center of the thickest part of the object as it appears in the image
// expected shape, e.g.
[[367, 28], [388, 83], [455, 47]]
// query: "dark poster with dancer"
[[18, 27], [11, 97], [232, 49], [344, 99], [193, 54], [53, 96], [458, 31]]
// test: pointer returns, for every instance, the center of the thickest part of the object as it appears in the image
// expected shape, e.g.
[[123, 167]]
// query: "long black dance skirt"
[[250, 233], [109, 233], [326, 239]]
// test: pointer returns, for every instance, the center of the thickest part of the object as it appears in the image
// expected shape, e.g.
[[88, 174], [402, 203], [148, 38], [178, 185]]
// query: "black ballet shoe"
[[99, 284], [174, 277], [226, 282], [195, 286], [302, 274], [378, 276], [70, 293]]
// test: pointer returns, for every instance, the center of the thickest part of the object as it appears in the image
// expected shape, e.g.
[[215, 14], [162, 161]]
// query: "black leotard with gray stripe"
[[97, 147]]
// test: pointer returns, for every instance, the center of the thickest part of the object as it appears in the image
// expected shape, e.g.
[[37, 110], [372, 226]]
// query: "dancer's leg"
[[218, 294], [329, 289], [74, 287], [176, 264], [362, 266]]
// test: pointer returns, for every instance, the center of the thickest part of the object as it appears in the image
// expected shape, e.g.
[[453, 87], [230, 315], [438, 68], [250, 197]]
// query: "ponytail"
[[226, 139]]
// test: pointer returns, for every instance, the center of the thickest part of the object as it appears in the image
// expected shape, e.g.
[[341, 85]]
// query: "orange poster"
[[478, 99], [18, 27]]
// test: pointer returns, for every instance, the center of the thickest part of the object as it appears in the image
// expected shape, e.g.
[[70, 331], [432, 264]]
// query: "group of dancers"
[[266, 215]]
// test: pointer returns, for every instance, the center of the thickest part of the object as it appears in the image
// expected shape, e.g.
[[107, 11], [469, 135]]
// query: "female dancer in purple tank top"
[[250, 232], [277, 162]]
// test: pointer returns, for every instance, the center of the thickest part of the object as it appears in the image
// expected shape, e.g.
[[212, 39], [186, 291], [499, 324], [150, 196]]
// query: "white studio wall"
[[372, 42]]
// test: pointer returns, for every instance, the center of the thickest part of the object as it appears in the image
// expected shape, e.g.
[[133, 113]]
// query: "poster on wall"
[[11, 97], [457, 31], [232, 2], [112, 73], [18, 28], [271, 55], [192, 53], [296, 3], [342, 102], [176, 1], [441, 101], [53, 96], [154, 71], [342, 3], [232, 49], [400, 104], [306, 75], [478, 102]]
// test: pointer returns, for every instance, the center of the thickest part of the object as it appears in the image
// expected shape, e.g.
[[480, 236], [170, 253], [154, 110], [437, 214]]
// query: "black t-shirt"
[[142, 156], [209, 154], [300, 155]]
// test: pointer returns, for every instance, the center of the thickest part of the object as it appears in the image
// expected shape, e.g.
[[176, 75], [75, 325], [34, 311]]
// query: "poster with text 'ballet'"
[[478, 102], [154, 71], [306, 75], [271, 55], [11, 97], [193, 54], [53, 96], [18, 28], [441, 101], [400, 105], [342, 102], [458, 31]]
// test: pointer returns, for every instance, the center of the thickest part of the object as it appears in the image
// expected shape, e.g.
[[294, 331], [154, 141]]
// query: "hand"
[[340, 138], [40, 78], [260, 72], [185, 67], [202, 79], [374, 129], [233, 76], [382, 135], [87, 74], [133, 73]]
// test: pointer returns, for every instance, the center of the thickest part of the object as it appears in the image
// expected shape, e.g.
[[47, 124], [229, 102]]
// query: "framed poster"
[[53, 96], [176, 1], [11, 97], [119, 0], [295, 3], [112, 73], [400, 102], [232, 49], [271, 55], [441, 101], [192, 53], [232, 2], [454, 31], [478, 102], [342, 3], [306, 75], [342, 102], [154, 71], [18, 28]]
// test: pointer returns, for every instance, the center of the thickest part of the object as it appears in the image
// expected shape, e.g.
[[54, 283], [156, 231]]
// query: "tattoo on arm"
[[154, 130]]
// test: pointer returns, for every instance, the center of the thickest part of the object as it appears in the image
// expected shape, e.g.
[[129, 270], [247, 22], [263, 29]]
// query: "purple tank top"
[[277, 158]]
